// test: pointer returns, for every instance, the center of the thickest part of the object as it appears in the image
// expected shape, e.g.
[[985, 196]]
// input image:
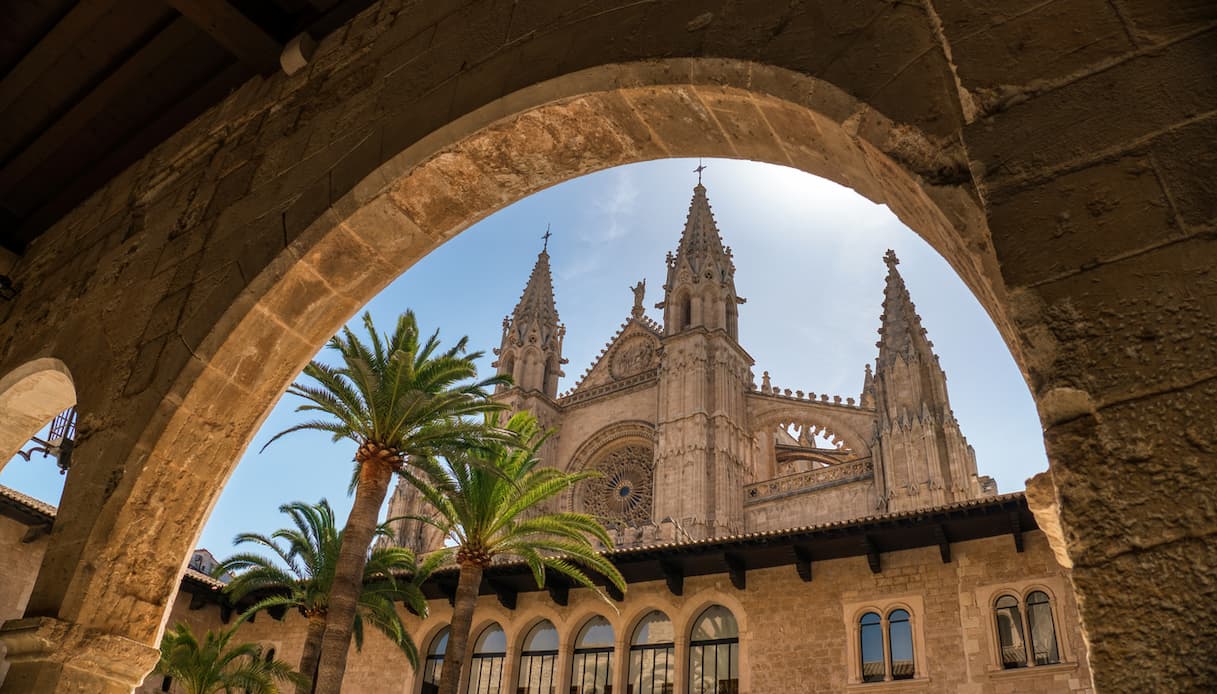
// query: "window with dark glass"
[[1042, 629], [652, 656], [1010, 632], [592, 663], [433, 664], [538, 659], [1039, 640], [871, 643], [486, 665], [714, 653], [900, 644]]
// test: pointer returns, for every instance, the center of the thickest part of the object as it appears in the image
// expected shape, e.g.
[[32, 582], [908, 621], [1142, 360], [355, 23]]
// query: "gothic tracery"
[[624, 491]]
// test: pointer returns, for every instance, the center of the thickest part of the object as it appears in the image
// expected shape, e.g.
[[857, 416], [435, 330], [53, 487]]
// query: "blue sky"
[[809, 259]]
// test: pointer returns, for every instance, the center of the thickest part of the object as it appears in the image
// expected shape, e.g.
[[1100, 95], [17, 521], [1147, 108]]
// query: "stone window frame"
[[986, 600], [853, 612]]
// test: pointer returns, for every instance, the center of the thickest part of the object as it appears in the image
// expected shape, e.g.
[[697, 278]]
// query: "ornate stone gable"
[[635, 349]]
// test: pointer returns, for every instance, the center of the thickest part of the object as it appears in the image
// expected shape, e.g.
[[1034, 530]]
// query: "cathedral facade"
[[722, 490], [690, 446], [772, 541]]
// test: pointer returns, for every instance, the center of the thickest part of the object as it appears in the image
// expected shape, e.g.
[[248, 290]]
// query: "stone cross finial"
[[890, 258], [640, 291]]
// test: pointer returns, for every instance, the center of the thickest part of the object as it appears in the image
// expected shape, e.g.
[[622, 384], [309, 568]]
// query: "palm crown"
[[400, 398], [216, 665], [307, 556], [397, 396], [490, 502]]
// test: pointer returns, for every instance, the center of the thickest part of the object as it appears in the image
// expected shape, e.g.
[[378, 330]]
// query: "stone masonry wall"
[[794, 635], [1059, 155], [18, 567]]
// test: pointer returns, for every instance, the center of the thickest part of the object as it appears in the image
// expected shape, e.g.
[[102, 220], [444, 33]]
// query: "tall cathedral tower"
[[703, 448], [921, 456], [531, 352]]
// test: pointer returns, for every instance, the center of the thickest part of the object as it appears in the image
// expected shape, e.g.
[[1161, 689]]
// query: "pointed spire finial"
[[546, 236], [700, 168], [890, 258]]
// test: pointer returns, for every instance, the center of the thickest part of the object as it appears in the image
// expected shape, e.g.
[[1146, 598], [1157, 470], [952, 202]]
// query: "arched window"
[[900, 644], [1042, 629], [508, 366], [686, 312], [1037, 645], [1010, 632], [652, 651], [714, 653], [592, 665], [486, 665], [871, 636], [433, 665], [538, 659]]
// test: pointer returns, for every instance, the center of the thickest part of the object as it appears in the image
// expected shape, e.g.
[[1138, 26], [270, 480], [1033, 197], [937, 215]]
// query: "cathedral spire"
[[900, 334], [537, 301], [531, 349], [700, 288], [923, 457]]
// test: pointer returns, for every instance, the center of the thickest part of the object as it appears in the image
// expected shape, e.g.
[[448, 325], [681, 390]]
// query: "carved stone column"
[[50, 656]]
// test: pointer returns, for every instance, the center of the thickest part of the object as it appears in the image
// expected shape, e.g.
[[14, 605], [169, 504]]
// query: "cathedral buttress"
[[922, 457], [704, 448]]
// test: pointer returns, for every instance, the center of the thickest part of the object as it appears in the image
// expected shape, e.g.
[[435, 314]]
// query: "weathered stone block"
[[999, 45], [1096, 214], [1046, 131]]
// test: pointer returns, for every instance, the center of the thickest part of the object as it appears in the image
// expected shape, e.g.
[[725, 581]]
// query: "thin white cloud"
[[615, 211]]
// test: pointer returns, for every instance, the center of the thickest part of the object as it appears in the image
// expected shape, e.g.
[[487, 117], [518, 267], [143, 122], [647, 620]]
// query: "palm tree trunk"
[[373, 484], [462, 621], [312, 651]]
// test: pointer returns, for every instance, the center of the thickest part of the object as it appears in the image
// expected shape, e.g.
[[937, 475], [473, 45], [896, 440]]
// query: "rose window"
[[623, 493]]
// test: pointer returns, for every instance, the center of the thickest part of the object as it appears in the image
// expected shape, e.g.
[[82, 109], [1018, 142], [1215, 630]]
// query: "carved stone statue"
[[640, 291]]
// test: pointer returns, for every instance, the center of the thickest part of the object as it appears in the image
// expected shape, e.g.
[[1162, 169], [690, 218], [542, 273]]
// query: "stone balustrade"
[[802, 482]]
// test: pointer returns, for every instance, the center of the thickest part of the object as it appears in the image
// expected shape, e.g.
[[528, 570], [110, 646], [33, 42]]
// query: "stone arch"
[[535, 615], [30, 396], [423, 194], [606, 441], [854, 426], [702, 600], [186, 243], [662, 604]]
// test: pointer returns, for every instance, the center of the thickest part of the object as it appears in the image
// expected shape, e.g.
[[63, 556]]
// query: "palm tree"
[[489, 503], [398, 398], [303, 575], [215, 665]]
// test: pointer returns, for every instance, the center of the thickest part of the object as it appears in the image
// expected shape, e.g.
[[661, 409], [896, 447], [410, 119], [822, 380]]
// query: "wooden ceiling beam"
[[61, 38], [94, 176], [505, 593], [802, 561], [674, 575], [127, 76], [559, 589], [234, 31]]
